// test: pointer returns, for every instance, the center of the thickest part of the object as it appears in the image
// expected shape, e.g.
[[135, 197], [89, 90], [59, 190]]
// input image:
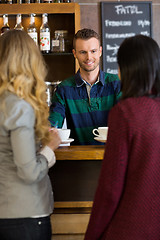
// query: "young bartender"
[[86, 98]]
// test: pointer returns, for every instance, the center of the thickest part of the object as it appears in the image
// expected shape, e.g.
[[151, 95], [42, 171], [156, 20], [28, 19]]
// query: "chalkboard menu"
[[121, 20]]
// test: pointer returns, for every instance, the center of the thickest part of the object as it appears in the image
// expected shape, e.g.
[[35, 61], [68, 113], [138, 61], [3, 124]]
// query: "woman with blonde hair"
[[26, 144]]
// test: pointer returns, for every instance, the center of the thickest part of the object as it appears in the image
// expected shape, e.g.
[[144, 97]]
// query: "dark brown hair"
[[85, 34], [139, 63]]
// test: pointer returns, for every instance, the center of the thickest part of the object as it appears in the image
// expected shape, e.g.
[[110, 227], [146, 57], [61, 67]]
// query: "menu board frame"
[[120, 20]]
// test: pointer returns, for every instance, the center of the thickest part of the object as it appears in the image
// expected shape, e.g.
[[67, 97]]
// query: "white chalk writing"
[[117, 23], [132, 9], [113, 71], [116, 35], [145, 33], [111, 59], [143, 23], [112, 48]]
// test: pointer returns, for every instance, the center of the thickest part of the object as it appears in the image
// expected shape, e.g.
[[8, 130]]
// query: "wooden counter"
[[75, 175], [74, 179], [90, 152]]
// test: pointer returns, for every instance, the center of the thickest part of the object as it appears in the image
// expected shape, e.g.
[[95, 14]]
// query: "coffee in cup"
[[64, 133], [101, 132]]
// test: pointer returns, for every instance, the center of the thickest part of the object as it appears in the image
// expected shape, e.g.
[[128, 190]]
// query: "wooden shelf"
[[39, 8], [58, 54], [60, 16]]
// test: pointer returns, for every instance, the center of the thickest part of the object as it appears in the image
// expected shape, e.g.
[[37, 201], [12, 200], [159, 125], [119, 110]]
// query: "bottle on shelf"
[[18, 25], [55, 45], [31, 30], [45, 34], [9, 1], [59, 41], [47, 1], [5, 27], [29, 1]]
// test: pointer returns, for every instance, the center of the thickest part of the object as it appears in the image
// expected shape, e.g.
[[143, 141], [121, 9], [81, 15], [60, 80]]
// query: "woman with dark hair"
[[126, 204]]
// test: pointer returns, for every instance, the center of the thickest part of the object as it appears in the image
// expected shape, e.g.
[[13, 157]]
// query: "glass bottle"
[[5, 27], [31, 30], [62, 38], [47, 1], [18, 25], [45, 34], [55, 42], [9, 1], [59, 41]]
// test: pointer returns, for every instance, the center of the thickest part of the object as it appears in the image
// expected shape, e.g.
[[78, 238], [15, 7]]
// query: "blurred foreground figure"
[[127, 200], [26, 198]]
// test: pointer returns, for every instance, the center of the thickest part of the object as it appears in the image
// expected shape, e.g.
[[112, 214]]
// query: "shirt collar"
[[79, 81]]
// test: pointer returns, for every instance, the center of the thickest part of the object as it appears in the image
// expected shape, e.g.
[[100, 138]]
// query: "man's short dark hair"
[[85, 34]]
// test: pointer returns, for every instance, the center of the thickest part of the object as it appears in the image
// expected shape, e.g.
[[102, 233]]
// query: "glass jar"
[[59, 41], [51, 87]]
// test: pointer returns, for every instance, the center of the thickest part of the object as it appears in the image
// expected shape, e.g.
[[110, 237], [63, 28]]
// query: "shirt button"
[[39, 223]]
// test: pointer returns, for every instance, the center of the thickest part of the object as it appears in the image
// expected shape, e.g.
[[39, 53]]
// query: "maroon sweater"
[[127, 200]]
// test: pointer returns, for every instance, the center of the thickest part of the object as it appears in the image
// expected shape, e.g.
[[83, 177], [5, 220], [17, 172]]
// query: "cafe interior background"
[[70, 223], [90, 17]]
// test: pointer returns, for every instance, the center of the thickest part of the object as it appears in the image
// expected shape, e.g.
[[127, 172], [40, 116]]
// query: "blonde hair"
[[23, 72]]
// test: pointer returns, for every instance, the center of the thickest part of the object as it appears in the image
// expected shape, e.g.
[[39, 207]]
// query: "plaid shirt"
[[82, 113]]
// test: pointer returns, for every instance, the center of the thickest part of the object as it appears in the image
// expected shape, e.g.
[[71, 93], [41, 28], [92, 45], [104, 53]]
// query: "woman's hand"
[[55, 139]]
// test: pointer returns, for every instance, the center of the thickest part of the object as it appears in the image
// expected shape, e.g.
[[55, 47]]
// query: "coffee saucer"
[[69, 140], [100, 139]]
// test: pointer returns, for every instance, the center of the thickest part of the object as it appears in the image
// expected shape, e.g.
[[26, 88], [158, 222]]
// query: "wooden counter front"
[[75, 175], [90, 152]]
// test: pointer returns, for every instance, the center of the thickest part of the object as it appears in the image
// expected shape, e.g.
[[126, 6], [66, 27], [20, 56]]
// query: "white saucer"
[[100, 139], [69, 140]]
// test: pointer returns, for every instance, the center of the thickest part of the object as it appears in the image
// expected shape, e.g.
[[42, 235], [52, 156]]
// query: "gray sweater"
[[25, 188]]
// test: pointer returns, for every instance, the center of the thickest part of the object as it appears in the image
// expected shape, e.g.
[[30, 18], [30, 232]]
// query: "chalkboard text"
[[132, 9]]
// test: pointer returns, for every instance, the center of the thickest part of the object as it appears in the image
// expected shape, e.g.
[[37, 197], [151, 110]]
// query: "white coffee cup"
[[101, 132], [64, 133]]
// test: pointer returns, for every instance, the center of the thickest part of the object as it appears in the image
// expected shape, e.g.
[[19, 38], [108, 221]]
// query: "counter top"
[[81, 152]]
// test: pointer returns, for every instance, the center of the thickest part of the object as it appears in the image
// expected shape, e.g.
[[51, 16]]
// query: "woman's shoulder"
[[16, 111], [13, 101], [134, 105]]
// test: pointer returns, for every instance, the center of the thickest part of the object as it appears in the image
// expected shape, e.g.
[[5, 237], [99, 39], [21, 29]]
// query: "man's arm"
[[57, 109]]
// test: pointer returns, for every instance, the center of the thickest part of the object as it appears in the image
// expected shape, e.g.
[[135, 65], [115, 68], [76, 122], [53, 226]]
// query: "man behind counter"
[[86, 98]]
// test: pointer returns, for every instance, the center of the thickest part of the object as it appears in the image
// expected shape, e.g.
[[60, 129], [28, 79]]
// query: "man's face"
[[88, 53]]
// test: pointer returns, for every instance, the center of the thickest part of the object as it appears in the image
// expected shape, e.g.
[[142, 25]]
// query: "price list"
[[119, 21]]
